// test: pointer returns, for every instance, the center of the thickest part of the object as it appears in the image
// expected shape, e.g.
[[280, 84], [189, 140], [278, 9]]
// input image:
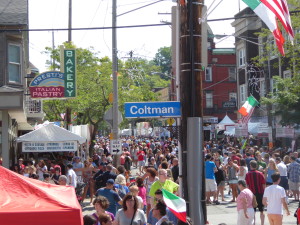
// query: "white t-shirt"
[[41, 171], [72, 178], [282, 169], [141, 203], [274, 194]]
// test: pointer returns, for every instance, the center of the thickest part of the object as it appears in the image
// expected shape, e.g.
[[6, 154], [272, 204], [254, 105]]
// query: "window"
[[209, 99], [262, 89], [232, 74], [273, 85], [242, 57], [14, 63], [243, 93], [287, 74], [232, 96], [208, 74]]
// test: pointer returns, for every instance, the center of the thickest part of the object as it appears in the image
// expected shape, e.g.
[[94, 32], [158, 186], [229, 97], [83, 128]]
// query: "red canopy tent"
[[27, 201]]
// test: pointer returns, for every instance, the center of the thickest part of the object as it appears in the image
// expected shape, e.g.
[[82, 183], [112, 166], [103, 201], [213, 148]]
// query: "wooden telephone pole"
[[191, 103]]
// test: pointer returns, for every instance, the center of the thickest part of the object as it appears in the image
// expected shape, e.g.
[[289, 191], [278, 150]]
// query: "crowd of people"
[[118, 196], [257, 178]]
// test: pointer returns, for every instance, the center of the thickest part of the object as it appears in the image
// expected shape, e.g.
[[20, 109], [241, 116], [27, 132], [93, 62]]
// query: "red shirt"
[[140, 155], [255, 181]]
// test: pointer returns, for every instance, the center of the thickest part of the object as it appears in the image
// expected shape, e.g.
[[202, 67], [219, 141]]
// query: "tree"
[[94, 85], [163, 59]]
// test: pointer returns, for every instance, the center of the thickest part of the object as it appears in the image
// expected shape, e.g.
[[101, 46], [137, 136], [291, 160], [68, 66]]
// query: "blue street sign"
[[152, 109]]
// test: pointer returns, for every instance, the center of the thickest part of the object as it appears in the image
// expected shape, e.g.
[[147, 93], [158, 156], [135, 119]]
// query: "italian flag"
[[248, 106], [176, 204], [269, 18]]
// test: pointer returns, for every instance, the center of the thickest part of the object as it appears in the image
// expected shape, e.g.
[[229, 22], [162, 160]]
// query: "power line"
[[140, 8], [85, 28]]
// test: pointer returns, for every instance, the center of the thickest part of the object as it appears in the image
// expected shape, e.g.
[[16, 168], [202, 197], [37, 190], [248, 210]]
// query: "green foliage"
[[163, 59], [137, 77]]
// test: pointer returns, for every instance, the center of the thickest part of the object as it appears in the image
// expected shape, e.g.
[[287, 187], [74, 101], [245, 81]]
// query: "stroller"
[[79, 191]]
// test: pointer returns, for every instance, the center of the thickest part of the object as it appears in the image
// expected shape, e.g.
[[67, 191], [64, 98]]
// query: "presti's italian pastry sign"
[[48, 85]]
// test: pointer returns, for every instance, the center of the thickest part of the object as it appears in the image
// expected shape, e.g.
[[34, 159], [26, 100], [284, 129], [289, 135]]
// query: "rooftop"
[[13, 12]]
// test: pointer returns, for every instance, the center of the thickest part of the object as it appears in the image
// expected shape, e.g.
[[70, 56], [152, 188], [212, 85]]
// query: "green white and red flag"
[[248, 106], [175, 204], [269, 18]]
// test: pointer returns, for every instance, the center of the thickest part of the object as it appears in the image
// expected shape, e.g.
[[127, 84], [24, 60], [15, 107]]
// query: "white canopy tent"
[[225, 124], [50, 138]]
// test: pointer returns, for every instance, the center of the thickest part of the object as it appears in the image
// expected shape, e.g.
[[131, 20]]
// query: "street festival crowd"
[[257, 178]]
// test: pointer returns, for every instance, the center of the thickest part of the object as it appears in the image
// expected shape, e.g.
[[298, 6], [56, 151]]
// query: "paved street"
[[217, 214], [226, 213]]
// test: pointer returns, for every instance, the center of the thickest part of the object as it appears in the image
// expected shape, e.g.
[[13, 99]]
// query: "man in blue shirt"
[[210, 180], [111, 195]]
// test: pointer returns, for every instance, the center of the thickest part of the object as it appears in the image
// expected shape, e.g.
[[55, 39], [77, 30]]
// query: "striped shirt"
[[294, 172], [255, 181]]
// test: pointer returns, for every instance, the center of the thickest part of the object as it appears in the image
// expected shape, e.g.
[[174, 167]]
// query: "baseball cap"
[[110, 181]]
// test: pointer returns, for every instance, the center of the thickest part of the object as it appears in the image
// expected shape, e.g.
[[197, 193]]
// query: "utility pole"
[[191, 103], [115, 130], [70, 22], [68, 109]]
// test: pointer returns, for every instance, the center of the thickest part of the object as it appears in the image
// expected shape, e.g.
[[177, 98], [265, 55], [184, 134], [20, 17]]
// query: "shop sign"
[[210, 120], [48, 85], [70, 72], [229, 104]]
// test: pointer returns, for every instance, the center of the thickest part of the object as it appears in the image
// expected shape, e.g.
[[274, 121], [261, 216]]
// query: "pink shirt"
[[246, 193], [142, 194]]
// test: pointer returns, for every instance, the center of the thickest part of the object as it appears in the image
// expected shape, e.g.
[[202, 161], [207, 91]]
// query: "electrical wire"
[[136, 3], [103, 36], [140, 7], [92, 20], [214, 8], [86, 28], [216, 83]]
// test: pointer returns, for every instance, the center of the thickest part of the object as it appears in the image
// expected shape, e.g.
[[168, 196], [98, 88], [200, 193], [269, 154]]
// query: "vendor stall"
[[28, 201], [50, 138]]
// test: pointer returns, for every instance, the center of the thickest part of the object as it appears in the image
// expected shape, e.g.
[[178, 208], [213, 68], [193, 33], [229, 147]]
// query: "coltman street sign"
[[152, 109]]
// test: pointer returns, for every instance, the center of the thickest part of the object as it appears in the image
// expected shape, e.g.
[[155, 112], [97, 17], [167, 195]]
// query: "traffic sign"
[[108, 116], [152, 109], [170, 121], [116, 147]]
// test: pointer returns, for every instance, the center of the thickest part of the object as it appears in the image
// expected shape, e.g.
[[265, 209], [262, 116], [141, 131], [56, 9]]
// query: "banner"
[[285, 132], [63, 146], [241, 130]]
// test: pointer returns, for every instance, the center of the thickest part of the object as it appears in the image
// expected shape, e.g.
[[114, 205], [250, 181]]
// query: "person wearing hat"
[[110, 193], [77, 164], [22, 166]]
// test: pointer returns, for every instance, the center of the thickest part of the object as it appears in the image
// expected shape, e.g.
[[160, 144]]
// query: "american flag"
[[246, 119]]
